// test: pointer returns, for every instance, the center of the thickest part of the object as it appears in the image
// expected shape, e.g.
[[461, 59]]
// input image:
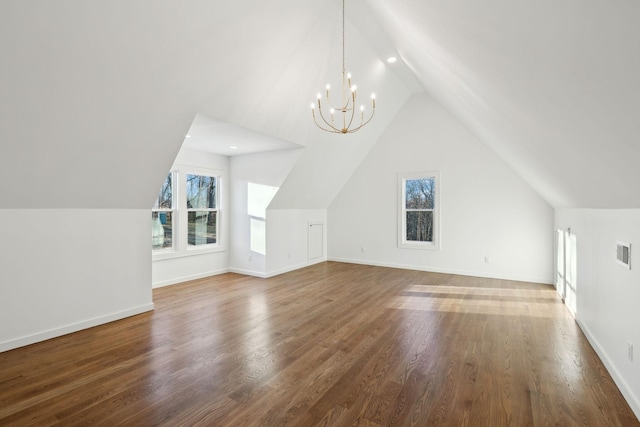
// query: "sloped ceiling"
[[552, 87], [96, 97], [229, 139]]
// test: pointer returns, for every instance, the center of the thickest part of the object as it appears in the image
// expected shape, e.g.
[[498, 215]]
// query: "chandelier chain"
[[345, 111], [343, 44]]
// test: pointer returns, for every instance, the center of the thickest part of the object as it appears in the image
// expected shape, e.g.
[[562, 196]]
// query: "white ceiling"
[[89, 88], [228, 139], [552, 87]]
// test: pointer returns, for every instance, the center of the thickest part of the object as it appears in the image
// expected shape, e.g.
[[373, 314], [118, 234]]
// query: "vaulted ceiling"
[[97, 97], [550, 86]]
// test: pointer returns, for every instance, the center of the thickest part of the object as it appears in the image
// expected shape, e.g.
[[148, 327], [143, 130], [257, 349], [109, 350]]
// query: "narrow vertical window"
[[418, 213], [162, 217], [202, 210]]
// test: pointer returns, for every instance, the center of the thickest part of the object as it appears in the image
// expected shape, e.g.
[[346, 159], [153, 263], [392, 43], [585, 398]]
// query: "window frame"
[[187, 210], [181, 248], [402, 211], [171, 210]]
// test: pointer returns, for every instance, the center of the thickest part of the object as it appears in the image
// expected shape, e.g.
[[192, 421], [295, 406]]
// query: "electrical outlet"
[[630, 350], [362, 249], [487, 260], [249, 257]]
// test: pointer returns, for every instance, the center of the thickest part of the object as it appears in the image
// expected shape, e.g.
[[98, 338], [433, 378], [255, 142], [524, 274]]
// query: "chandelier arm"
[[330, 126], [315, 120], [350, 122], [349, 101], [331, 130], [353, 111], [365, 123], [326, 122]]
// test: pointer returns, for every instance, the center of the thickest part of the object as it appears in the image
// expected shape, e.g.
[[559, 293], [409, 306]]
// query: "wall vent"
[[623, 254]]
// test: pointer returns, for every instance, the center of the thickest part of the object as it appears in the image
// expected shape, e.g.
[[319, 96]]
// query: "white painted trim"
[[270, 274], [183, 279], [295, 267], [252, 273], [73, 327], [181, 248], [632, 400], [324, 244], [162, 254], [402, 242], [546, 281]]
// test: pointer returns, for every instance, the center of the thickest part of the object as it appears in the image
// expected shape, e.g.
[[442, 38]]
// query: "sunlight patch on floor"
[[478, 300]]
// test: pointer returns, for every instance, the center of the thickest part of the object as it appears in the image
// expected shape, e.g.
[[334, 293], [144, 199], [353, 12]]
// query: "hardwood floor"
[[330, 345]]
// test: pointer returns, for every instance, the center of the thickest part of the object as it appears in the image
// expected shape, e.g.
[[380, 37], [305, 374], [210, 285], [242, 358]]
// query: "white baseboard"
[[74, 327], [252, 273], [182, 279], [295, 267], [268, 274], [630, 397], [445, 270]]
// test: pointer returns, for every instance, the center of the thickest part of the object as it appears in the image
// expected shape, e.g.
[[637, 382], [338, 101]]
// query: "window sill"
[[421, 246], [170, 254]]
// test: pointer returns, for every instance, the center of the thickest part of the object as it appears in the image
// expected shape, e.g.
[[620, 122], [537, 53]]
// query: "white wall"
[[63, 270], [486, 209], [287, 238], [171, 268], [268, 169], [607, 295]]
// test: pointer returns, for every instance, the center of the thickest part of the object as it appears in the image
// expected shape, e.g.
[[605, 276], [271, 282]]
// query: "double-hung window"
[[418, 211], [186, 214], [202, 210], [162, 216]]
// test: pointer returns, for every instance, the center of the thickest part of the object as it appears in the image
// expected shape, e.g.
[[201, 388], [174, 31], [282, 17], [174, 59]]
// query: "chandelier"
[[340, 118]]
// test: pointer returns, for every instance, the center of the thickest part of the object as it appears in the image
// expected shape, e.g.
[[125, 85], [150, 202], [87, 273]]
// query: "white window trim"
[[173, 211], [402, 219], [180, 245], [210, 247]]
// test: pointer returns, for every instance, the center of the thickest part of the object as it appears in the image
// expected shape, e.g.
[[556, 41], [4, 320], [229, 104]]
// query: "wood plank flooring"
[[329, 345]]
